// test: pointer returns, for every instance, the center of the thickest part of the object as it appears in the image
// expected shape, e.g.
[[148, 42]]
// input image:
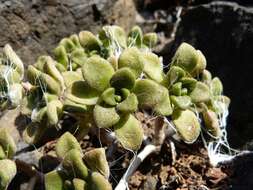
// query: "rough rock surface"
[[223, 31], [34, 27]]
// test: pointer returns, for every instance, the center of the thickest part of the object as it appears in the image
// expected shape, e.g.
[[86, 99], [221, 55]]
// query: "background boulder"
[[34, 27]]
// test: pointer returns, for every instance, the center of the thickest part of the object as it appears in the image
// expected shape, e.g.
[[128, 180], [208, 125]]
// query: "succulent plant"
[[7, 150], [193, 92], [78, 171], [101, 81], [42, 104], [11, 74], [94, 75]]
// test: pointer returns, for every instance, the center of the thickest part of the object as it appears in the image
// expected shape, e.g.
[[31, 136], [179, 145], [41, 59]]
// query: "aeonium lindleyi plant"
[[78, 170], [194, 92], [95, 76], [101, 82]]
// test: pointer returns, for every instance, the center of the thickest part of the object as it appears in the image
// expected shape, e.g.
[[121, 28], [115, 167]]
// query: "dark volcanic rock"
[[241, 171], [152, 5], [34, 27], [224, 33]]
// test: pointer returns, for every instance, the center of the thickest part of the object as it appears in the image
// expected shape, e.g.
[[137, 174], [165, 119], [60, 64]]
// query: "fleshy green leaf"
[[53, 181], [89, 41], [79, 184], [119, 35], [70, 76], [47, 97], [26, 108], [188, 83], [97, 72], [66, 143], [60, 67], [45, 81], [114, 36], [105, 117], [75, 39], [80, 92], [15, 61], [216, 86], [54, 109], [40, 62], [182, 102], [153, 67], [187, 125], [50, 69], [67, 44], [61, 55], [124, 93], [15, 94], [83, 126], [186, 57], [149, 93], [113, 60], [2, 153], [98, 182], [135, 36], [129, 132], [164, 107], [219, 104], [73, 163], [133, 59], [201, 64], [123, 78], [212, 123], [8, 170], [48, 82], [130, 104], [96, 161], [176, 89], [78, 56], [174, 74], [200, 93], [108, 96], [9, 75], [150, 39], [206, 77], [71, 106], [7, 143]]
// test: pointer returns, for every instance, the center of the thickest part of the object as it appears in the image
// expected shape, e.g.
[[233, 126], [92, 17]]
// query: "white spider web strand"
[[117, 50], [216, 149]]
